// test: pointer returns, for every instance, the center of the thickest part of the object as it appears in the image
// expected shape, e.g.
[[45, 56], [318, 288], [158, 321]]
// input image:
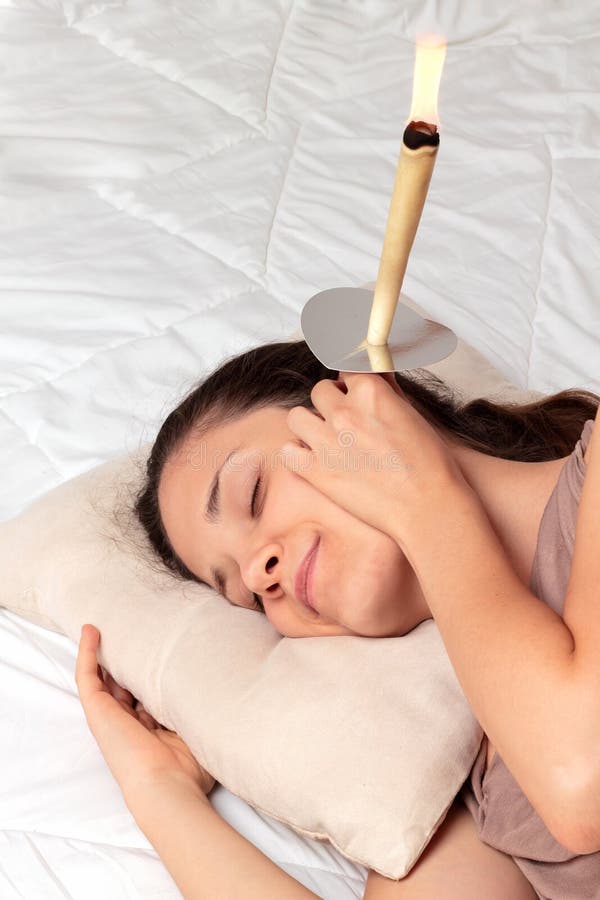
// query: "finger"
[[121, 737], [128, 746], [389, 378], [297, 459], [352, 377], [312, 427], [308, 427], [118, 692], [146, 719], [327, 393], [87, 675], [139, 706]]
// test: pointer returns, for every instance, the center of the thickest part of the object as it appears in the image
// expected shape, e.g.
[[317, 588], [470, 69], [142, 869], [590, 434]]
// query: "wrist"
[[447, 501], [153, 790]]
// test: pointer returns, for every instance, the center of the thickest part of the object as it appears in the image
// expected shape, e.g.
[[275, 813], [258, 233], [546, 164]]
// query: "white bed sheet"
[[177, 180]]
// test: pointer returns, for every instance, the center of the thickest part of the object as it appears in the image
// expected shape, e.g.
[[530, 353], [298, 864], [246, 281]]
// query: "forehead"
[[199, 456], [187, 475]]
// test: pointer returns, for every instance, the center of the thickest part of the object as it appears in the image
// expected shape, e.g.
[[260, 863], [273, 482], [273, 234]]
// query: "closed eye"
[[254, 496], [219, 580]]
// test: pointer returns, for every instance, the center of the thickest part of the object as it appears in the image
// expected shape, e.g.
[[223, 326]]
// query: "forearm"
[[206, 857], [512, 653]]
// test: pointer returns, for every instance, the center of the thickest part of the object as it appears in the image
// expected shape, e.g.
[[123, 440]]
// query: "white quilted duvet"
[[178, 178]]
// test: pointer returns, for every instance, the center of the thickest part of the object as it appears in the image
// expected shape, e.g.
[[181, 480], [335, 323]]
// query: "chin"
[[374, 630]]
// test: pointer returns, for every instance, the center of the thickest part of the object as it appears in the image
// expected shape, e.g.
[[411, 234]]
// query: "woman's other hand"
[[165, 790], [371, 452], [137, 749]]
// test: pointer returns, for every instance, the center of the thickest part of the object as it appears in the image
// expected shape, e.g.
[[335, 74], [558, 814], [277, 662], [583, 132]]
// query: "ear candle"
[[335, 321], [415, 166], [417, 158], [380, 358]]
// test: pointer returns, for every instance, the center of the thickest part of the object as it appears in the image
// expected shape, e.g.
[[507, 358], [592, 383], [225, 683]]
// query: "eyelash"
[[257, 599], [254, 495]]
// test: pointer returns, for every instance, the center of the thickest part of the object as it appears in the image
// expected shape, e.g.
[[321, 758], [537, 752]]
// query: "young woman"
[[443, 506]]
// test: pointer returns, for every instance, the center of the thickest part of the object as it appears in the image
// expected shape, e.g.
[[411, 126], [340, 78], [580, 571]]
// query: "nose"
[[272, 562], [261, 576]]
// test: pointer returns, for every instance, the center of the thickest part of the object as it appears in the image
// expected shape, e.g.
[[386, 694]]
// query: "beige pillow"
[[361, 741]]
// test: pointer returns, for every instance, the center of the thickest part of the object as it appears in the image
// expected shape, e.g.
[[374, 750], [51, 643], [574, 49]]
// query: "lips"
[[303, 573]]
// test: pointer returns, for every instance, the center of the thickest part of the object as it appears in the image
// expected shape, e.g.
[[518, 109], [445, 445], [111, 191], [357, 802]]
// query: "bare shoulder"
[[455, 865]]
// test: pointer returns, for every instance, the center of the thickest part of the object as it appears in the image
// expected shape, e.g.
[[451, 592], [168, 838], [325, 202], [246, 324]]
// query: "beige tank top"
[[504, 817]]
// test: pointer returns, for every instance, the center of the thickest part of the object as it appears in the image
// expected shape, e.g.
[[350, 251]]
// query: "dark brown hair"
[[283, 375]]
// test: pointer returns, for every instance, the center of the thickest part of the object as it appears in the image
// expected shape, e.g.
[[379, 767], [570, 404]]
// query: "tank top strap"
[[556, 537]]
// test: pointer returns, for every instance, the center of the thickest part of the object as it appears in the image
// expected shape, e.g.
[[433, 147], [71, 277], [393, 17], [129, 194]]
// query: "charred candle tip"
[[421, 134]]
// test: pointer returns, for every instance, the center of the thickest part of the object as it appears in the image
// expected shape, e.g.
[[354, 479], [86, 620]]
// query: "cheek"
[[385, 590], [387, 566], [398, 588], [285, 624], [295, 501]]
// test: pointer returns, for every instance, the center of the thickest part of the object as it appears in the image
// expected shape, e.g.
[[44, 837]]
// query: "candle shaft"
[[413, 174]]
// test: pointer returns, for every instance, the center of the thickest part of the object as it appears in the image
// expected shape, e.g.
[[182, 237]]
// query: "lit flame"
[[429, 62]]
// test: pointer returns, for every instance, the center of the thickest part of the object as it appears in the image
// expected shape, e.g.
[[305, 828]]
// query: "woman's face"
[[362, 584]]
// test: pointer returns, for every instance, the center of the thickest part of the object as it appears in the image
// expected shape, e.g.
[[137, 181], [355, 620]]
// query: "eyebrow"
[[212, 514]]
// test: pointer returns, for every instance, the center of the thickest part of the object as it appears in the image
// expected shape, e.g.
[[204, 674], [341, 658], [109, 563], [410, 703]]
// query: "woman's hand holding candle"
[[372, 453]]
